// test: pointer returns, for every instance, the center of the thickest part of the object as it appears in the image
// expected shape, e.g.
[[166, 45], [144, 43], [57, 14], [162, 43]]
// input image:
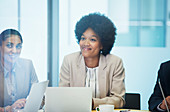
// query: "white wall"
[[141, 63], [8, 14], [34, 31]]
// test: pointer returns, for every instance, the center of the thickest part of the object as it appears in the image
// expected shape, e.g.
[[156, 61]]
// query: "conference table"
[[126, 110], [117, 110]]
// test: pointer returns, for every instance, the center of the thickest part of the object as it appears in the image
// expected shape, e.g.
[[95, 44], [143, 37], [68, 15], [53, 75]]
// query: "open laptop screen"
[[35, 96]]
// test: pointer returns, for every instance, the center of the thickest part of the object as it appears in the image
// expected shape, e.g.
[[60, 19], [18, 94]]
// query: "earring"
[[101, 51]]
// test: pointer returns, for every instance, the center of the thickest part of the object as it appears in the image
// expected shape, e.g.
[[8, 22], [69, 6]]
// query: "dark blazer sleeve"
[[156, 98]]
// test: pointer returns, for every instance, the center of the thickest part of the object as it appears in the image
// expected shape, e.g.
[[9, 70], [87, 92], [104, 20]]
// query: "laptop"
[[68, 99], [35, 97]]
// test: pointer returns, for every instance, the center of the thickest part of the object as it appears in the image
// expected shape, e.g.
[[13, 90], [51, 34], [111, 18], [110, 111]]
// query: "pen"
[[124, 110]]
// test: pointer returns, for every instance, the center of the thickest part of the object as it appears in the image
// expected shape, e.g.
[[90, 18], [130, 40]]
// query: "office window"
[[140, 23]]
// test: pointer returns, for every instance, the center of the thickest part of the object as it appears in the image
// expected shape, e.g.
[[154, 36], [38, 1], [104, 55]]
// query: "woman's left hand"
[[19, 104]]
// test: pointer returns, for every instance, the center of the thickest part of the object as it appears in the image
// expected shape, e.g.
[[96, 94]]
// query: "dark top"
[[164, 76]]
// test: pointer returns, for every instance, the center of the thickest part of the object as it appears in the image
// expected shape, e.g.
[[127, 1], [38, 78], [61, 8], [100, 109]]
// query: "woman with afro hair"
[[94, 66]]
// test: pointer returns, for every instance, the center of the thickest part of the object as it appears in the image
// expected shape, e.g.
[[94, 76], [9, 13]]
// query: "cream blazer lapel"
[[102, 76], [81, 71]]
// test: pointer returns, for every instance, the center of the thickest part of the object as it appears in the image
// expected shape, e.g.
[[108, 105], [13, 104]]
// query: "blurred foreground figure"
[[16, 74]]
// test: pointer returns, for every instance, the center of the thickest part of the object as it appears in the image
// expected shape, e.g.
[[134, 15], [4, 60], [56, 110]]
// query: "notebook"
[[68, 99], [35, 97]]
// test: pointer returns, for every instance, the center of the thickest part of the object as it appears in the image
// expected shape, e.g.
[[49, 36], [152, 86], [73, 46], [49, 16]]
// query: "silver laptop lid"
[[68, 99], [35, 96]]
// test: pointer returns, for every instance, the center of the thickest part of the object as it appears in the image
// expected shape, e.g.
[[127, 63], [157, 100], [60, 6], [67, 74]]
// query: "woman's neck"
[[92, 62]]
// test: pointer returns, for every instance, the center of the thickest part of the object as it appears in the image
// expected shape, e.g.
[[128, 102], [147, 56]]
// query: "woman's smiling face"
[[90, 44], [11, 49]]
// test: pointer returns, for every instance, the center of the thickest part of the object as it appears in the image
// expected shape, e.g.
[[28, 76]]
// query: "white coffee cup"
[[105, 108]]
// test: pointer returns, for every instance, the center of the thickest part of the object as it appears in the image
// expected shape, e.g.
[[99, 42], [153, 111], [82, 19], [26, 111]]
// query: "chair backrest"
[[132, 101]]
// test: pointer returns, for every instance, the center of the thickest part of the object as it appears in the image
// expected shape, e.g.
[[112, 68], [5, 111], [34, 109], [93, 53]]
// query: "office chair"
[[132, 101]]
